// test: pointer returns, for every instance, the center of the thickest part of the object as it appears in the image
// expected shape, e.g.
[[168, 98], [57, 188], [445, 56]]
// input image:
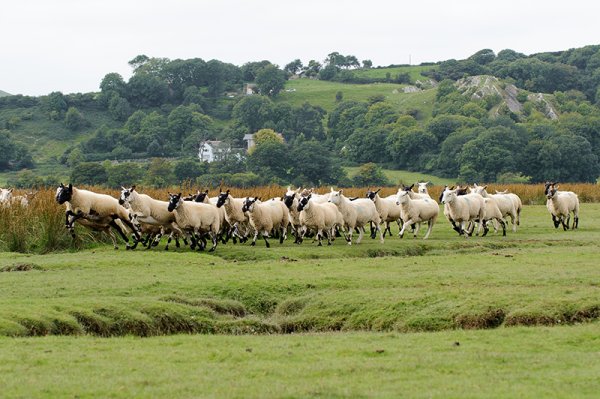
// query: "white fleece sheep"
[[202, 196], [506, 203], [561, 204], [492, 210], [237, 219], [416, 211], [464, 209], [151, 211], [197, 219], [93, 206], [320, 217], [267, 216], [389, 211], [357, 214]]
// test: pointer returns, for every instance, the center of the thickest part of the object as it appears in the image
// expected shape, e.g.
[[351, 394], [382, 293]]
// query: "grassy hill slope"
[[3, 93], [322, 93]]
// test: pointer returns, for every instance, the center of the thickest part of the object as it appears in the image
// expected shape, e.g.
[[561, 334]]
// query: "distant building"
[[211, 151], [250, 89], [249, 139]]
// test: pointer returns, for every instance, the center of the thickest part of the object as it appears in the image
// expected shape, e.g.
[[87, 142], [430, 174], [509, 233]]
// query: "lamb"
[[196, 218], [151, 211], [356, 214], [94, 207], [506, 203], [321, 217], [464, 209], [237, 219], [561, 204], [267, 216], [387, 208], [415, 211]]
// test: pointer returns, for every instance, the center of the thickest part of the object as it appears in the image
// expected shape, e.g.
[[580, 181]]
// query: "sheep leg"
[[215, 240], [254, 239], [430, 223], [485, 228], [319, 236], [349, 235], [404, 226], [361, 231], [418, 227], [556, 221], [115, 226], [503, 227], [265, 235], [575, 221]]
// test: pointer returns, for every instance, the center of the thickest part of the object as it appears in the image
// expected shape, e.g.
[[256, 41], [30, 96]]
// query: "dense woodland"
[[153, 123]]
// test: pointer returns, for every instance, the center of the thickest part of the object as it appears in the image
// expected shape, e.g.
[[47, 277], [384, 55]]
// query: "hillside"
[[491, 117], [4, 94]]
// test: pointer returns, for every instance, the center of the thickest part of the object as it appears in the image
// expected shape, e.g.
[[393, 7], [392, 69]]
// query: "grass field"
[[323, 93], [414, 71], [494, 316]]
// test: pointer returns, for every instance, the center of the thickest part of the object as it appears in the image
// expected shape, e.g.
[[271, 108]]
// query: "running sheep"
[[357, 214], [389, 211], [94, 207], [463, 209], [561, 204], [320, 217], [235, 216], [265, 217], [153, 212], [197, 219], [416, 211]]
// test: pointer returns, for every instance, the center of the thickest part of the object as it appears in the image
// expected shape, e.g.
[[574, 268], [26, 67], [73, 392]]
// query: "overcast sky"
[[69, 45]]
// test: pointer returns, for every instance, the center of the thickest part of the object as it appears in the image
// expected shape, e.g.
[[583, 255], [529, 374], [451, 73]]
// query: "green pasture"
[[522, 362], [414, 71], [493, 316], [323, 94]]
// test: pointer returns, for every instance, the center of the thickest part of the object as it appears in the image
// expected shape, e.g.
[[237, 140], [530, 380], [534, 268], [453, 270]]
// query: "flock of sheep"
[[195, 219]]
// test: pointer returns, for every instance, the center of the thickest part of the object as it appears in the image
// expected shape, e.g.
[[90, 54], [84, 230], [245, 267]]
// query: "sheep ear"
[[133, 188], [257, 199], [10, 190], [206, 191], [228, 191], [378, 190], [341, 191], [70, 186]]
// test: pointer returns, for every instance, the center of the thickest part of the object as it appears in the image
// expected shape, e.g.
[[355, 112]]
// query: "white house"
[[211, 151]]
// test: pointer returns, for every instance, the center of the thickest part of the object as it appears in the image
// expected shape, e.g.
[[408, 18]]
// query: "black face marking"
[[248, 203], [288, 200], [173, 201], [201, 196], [124, 196], [222, 198], [302, 203], [64, 193]]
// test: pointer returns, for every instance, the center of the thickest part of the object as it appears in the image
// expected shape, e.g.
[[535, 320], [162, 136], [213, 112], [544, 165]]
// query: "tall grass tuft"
[[37, 228]]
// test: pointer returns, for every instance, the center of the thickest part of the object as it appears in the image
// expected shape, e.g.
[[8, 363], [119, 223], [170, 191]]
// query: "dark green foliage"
[[89, 173], [270, 80], [189, 169], [370, 175]]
